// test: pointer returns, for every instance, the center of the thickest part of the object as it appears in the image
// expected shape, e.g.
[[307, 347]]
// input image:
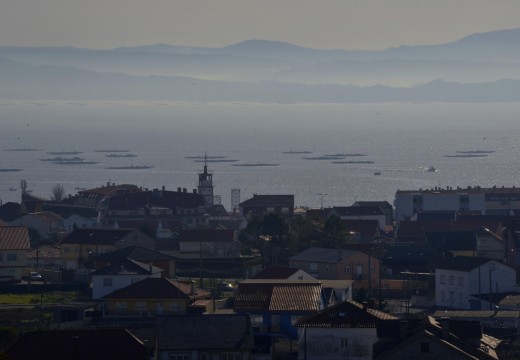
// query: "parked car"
[[35, 276]]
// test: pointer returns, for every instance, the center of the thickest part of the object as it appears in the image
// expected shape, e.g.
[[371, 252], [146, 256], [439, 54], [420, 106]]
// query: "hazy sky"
[[324, 24]]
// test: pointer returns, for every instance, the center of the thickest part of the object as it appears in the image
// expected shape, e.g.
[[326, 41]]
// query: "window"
[[347, 269], [443, 279], [179, 356], [327, 268], [175, 307], [1, 257], [452, 280], [230, 356], [372, 268], [461, 280], [313, 267], [107, 282], [67, 250], [120, 305], [425, 347], [11, 257]]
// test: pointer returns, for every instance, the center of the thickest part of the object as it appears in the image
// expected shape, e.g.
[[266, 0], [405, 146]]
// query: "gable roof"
[[464, 263], [157, 288], [276, 272], [66, 210], [136, 253], [78, 344], [323, 255], [127, 267], [95, 236], [269, 200], [46, 216], [156, 198], [14, 238], [380, 204], [206, 235], [347, 314], [357, 210], [204, 332], [277, 296]]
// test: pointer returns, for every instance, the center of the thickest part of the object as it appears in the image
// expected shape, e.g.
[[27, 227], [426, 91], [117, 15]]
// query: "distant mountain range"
[[480, 67]]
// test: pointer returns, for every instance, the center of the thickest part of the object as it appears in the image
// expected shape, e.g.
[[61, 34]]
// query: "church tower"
[[206, 184]]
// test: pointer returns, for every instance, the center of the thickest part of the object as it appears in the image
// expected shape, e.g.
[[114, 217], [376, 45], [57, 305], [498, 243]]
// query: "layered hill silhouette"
[[480, 67]]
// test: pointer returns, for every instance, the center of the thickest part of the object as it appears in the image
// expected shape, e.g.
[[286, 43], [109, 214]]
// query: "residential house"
[[226, 337], [137, 253], [120, 275], [385, 206], [208, 242], [472, 283], [92, 197], [82, 246], [261, 205], [337, 264], [14, 245], [282, 273], [153, 296], [74, 216], [360, 213], [362, 231], [45, 257], [78, 345], [275, 305], [347, 330], [430, 339], [46, 223]]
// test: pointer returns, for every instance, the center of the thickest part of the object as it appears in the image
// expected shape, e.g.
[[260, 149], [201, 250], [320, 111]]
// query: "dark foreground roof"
[[204, 332], [102, 344]]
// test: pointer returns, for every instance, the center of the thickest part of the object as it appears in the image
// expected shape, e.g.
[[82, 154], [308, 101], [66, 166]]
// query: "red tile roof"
[[14, 238], [282, 296], [158, 288]]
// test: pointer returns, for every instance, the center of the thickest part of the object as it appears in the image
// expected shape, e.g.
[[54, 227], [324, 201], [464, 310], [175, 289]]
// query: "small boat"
[[431, 169], [131, 167], [476, 152], [377, 173], [9, 170], [466, 156]]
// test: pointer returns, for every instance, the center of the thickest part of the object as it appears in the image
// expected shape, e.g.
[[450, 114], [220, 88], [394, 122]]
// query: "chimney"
[[178, 189], [184, 190], [194, 191], [163, 188]]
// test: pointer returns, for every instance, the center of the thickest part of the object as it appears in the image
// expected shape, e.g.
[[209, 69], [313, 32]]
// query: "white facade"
[[454, 288], [408, 203], [336, 343], [79, 222], [106, 284]]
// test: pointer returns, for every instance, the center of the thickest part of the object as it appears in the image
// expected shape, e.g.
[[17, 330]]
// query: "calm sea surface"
[[402, 141]]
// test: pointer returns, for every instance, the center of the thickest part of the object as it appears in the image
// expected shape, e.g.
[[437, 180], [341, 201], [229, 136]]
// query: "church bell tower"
[[206, 184]]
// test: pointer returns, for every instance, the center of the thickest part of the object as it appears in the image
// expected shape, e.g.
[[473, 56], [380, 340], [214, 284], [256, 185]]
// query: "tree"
[[58, 192]]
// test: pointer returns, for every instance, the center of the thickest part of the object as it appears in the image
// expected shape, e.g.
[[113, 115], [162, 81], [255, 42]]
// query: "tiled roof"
[[95, 236], [206, 235], [127, 267], [323, 255], [276, 272], [379, 204], [466, 190], [157, 288], [46, 216], [156, 198], [78, 345], [270, 200], [463, 263], [357, 210], [65, 210], [134, 253], [45, 252], [348, 314], [14, 238], [295, 296], [204, 332], [109, 190]]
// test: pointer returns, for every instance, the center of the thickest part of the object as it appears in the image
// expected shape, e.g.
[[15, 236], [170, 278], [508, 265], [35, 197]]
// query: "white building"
[[409, 202], [120, 275], [471, 283]]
